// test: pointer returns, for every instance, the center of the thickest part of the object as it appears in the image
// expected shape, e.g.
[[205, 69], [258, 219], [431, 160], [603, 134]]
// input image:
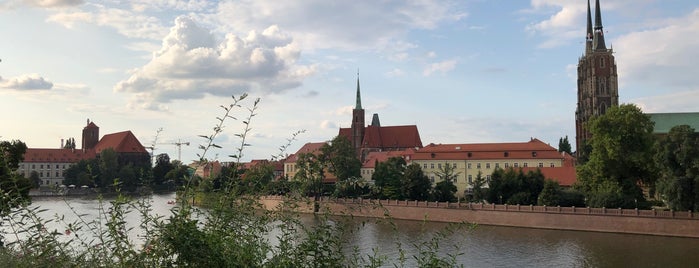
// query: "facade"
[[470, 159], [377, 138], [290, 168], [598, 89], [50, 164]]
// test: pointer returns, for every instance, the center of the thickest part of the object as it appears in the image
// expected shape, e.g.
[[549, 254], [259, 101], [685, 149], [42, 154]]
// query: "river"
[[484, 246]]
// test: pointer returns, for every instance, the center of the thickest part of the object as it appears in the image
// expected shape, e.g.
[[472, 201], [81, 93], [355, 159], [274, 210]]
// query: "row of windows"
[[487, 165], [48, 174], [367, 172], [48, 166]]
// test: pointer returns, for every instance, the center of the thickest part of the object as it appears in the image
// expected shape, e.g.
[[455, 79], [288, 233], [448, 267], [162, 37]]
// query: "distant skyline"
[[462, 71]]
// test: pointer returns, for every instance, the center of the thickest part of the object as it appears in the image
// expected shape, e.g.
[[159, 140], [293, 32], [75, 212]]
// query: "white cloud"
[[685, 101], [344, 110], [363, 24], [192, 64], [327, 124], [395, 73], [26, 82], [662, 57], [127, 23], [442, 67]]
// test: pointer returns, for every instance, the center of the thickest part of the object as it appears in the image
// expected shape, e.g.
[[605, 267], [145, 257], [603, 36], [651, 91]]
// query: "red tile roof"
[[565, 176], [37, 155], [374, 157], [311, 147], [121, 142], [515, 150], [387, 137]]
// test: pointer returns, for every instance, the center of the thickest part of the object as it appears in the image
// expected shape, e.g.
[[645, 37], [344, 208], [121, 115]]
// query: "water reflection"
[[484, 246]]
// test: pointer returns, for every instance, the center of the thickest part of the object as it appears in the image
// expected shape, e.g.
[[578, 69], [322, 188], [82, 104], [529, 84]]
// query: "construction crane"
[[179, 144]]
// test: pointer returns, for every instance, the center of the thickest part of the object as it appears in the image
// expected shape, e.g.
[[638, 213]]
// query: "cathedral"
[[377, 138], [598, 88]]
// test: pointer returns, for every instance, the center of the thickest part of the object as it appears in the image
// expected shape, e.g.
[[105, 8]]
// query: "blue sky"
[[462, 71]]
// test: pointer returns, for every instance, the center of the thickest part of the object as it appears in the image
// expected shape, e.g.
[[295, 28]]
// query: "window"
[[541, 164], [487, 165], [456, 179], [41, 174], [478, 165], [524, 164], [497, 165], [33, 166], [468, 165], [487, 178], [552, 165], [439, 165], [470, 178], [57, 174], [533, 154], [507, 165], [424, 166], [507, 154], [41, 167], [516, 164], [453, 165], [431, 165], [56, 166]]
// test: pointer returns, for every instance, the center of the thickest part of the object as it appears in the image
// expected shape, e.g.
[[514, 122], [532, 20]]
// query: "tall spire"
[[588, 34], [358, 106], [599, 32]]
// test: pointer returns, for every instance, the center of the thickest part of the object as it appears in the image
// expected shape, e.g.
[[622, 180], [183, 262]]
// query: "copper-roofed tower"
[[597, 80], [91, 135], [358, 126]]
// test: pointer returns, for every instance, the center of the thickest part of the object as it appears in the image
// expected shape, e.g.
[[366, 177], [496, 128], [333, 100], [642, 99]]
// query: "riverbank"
[[628, 221]]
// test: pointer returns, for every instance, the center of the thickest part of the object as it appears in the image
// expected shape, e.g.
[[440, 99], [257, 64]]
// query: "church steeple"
[[588, 34], [358, 106], [599, 32]]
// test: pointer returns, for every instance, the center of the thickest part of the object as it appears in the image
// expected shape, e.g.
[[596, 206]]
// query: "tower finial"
[[598, 41], [358, 106]]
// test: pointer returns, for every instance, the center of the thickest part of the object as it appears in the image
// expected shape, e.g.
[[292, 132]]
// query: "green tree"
[[415, 185], [258, 177], [70, 144], [109, 167], [341, 158], [161, 168], [621, 158], [550, 195], [445, 190], [387, 178], [564, 145], [515, 187], [34, 178], [479, 192], [14, 188], [678, 159]]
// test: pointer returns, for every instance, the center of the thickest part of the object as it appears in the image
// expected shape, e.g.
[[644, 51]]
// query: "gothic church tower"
[[358, 126], [598, 89]]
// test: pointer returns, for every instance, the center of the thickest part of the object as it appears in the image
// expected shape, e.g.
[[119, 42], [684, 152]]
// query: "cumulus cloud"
[[40, 3], [395, 73], [442, 67], [191, 64], [560, 28], [26, 82], [327, 124], [662, 57]]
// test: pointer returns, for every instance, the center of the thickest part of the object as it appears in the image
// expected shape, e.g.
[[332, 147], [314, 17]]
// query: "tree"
[[34, 178], [387, 177], [310, 173], [161, 168], [678, 159], [14, 188], [550, 195], [415, 185], [515, 187], [564, 145], [341, 158], [444, 189], [621, 158], [479, 192], [108, 166], [258, 177]]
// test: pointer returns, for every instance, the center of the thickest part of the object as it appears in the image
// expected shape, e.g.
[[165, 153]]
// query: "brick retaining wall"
[[651, 222]]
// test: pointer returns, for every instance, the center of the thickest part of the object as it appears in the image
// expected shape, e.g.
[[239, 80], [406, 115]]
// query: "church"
[[375, 137]]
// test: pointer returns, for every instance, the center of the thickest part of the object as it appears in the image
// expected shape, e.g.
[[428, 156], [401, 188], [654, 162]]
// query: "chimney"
[[61, 143]]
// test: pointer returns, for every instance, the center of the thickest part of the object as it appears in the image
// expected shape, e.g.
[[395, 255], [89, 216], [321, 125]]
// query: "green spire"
[[358, 106]]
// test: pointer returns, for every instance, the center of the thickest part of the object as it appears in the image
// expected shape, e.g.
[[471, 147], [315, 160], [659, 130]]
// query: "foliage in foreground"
[[234, 231]]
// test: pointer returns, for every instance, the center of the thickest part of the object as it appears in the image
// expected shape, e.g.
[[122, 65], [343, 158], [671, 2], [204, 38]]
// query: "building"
[[377, 138], [290, 168], [468, 160], [50, 163], [373, 158], [666, 121], [598, 88]]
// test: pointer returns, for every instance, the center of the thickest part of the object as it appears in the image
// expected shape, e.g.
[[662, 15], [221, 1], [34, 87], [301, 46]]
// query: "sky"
[[470, 71]]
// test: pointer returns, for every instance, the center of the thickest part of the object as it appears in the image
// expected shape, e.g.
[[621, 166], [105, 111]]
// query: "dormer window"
[[507, 154], [533, 154]]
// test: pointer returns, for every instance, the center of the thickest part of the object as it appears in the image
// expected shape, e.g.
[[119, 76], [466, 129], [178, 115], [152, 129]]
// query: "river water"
[[483, 246]]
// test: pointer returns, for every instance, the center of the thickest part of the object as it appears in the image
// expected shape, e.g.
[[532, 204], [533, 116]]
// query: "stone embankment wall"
[[633, 221]]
